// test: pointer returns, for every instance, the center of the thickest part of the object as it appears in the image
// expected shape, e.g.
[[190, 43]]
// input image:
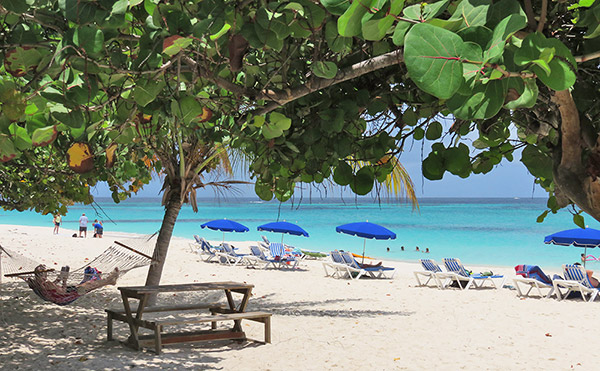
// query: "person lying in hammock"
[[58, 292]]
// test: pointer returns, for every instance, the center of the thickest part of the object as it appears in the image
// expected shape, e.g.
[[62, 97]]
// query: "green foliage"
[[287, 84]]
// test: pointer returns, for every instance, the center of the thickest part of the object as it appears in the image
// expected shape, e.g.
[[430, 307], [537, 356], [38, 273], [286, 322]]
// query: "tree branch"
[[587, 57], [543, 14], [570, 130], [279, 98], [530, 15]]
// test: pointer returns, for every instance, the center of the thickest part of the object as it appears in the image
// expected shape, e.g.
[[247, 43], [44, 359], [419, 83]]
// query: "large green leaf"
[[502, 32], [336, 42], [400, 32], [147, 91], [484, 102], [527, 91], [433, 166], [434, 59], [349, 23], [280, 121], [376, 29], [425, 11], [343, 174], [44, 136], [501, 10], [90, 38], [21, 60], [187, 109], [20, 137], [263, 191], [434, 131], [336, 7], [550, 60], [538, 163], [363, 181], [472, 12], [457, 160], [326, 70], [78, 11], [17, 6], [7, 149]]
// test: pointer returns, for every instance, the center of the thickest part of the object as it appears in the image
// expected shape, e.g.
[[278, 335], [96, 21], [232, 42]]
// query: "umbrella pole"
[[282, 238], [585, 255], [364, 245]]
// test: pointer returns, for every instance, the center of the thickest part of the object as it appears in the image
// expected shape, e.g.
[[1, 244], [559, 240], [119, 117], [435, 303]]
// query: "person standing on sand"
[[83, 221], [57, 220]]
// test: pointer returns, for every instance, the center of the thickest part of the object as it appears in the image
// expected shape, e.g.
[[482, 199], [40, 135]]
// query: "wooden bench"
[[160, 338]]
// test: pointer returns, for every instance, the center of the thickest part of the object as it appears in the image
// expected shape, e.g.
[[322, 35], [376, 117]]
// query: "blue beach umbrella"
[[366, 230], [283, 228], [225, 225], [578, 237]]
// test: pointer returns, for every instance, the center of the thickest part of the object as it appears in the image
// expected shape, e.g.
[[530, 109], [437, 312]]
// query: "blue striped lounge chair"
[[458, 274], [259, 257], [279, 254], [373, 272], [576, 279], [431, 269], [203, 248], [533, 277], [231, 257], [337, 265]]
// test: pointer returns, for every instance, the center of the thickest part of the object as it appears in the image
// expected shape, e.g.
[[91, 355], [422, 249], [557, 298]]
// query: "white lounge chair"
[[260, 259], [206, 251], [533, 277], [230, 256], [576, 279], [373, 271], [457, 273], [431, 269], [283, 258], [336, 265]]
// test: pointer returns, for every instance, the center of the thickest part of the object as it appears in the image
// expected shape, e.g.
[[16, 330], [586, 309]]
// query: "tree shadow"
[[73, 337], [307, 308]]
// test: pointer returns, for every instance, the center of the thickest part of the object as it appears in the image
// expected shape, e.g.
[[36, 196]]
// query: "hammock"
[[65, 286]]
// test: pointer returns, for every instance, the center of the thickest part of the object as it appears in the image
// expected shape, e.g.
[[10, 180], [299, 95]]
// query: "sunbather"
[[593, 280], [59, 286]]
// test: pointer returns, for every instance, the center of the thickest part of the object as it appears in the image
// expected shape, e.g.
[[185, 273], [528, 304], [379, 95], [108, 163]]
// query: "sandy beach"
[[318, 322]]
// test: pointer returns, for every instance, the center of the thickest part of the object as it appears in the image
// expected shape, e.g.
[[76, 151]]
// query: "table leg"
[[157, 339], [134, 338], [237, 323], [268, 330], [109, 328]]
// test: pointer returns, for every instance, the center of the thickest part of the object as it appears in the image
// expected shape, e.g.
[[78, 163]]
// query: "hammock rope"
[[65, 286]]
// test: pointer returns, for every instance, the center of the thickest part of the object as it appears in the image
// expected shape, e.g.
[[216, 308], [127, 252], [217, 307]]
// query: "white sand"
[[318, 322]]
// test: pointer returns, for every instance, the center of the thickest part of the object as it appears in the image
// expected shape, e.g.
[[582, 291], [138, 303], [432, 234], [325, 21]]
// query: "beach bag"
[[91, 274]]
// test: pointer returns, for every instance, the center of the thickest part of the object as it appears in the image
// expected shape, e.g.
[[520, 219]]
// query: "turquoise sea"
[[494, 231]]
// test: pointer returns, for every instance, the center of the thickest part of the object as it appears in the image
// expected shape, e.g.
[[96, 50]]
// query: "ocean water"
[[494, 232]]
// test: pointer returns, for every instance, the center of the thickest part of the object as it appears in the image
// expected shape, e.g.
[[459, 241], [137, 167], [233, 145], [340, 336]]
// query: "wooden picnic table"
[[134, 316]]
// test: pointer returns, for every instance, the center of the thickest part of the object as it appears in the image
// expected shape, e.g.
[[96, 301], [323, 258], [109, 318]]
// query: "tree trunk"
[[172, 209], [576, 179]]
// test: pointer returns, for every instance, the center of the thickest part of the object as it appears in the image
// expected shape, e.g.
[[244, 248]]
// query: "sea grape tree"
[[309, 90]]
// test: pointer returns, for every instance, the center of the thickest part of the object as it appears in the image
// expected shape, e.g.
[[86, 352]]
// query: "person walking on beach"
[[83, 221], [57, 220], [98, 229]]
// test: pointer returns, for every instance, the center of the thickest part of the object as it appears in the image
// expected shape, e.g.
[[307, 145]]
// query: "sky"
[[508, 179]]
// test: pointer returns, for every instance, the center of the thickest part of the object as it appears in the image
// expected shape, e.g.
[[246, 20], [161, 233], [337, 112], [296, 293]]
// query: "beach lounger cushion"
[[535, 278], [458, 274]]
